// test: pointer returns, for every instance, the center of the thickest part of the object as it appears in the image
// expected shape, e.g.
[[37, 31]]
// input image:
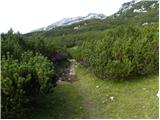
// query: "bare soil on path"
[[69, 74]]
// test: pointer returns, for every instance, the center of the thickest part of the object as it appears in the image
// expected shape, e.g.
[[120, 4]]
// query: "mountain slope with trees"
[[120, 48]]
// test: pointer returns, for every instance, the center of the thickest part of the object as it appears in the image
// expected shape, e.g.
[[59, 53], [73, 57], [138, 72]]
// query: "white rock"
[[153, 5], [111, 98], [97, 86], [144, 24], [139, 10], [158, 94]]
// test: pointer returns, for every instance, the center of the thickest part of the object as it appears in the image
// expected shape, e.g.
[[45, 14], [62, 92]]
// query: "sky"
[[27, 15]]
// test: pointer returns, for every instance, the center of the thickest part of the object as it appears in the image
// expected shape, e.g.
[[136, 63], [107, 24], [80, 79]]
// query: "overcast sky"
[[28, 15]]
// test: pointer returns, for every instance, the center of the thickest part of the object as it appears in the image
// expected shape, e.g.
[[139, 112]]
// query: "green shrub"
[[23, 79], [13, 43], [125, 51]]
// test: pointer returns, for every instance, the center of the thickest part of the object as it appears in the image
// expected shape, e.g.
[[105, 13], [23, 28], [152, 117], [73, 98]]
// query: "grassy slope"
[[132, 99]]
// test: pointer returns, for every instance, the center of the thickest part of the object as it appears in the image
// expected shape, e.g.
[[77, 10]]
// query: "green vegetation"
[[26, 73], [124, 51], [23, 79], [90, 98], [127, 17], [117, 68]]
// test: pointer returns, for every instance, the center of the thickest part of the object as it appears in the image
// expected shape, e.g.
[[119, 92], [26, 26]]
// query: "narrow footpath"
[[69, 74]]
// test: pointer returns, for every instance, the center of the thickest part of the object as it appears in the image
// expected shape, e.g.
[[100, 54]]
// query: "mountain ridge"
[[133, 12], [72, 20]]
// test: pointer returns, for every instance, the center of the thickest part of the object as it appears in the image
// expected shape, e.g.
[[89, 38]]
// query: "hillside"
[[136, 13], [84, 67], [69, 21]]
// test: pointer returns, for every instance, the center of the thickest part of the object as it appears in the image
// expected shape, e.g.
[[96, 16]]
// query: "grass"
[[82, 99]]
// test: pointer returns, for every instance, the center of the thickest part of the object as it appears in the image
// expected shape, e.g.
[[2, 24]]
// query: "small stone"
[[103, 102], [111, 98], [97, 86], [158, 94], [80, 107]]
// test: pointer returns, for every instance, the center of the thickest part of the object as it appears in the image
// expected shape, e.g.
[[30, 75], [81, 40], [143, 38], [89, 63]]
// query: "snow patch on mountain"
[[128, 5], [69, 21], [153, 5], [142, 9]]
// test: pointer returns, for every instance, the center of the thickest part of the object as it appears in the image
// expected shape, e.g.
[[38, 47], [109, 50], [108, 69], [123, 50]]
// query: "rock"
[[144, 24], [97, 86], [103, 102], [158, 94], [111, 98]]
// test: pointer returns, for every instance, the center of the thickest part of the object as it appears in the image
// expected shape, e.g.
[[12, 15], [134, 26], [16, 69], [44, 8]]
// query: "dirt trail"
[[69, 74]]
